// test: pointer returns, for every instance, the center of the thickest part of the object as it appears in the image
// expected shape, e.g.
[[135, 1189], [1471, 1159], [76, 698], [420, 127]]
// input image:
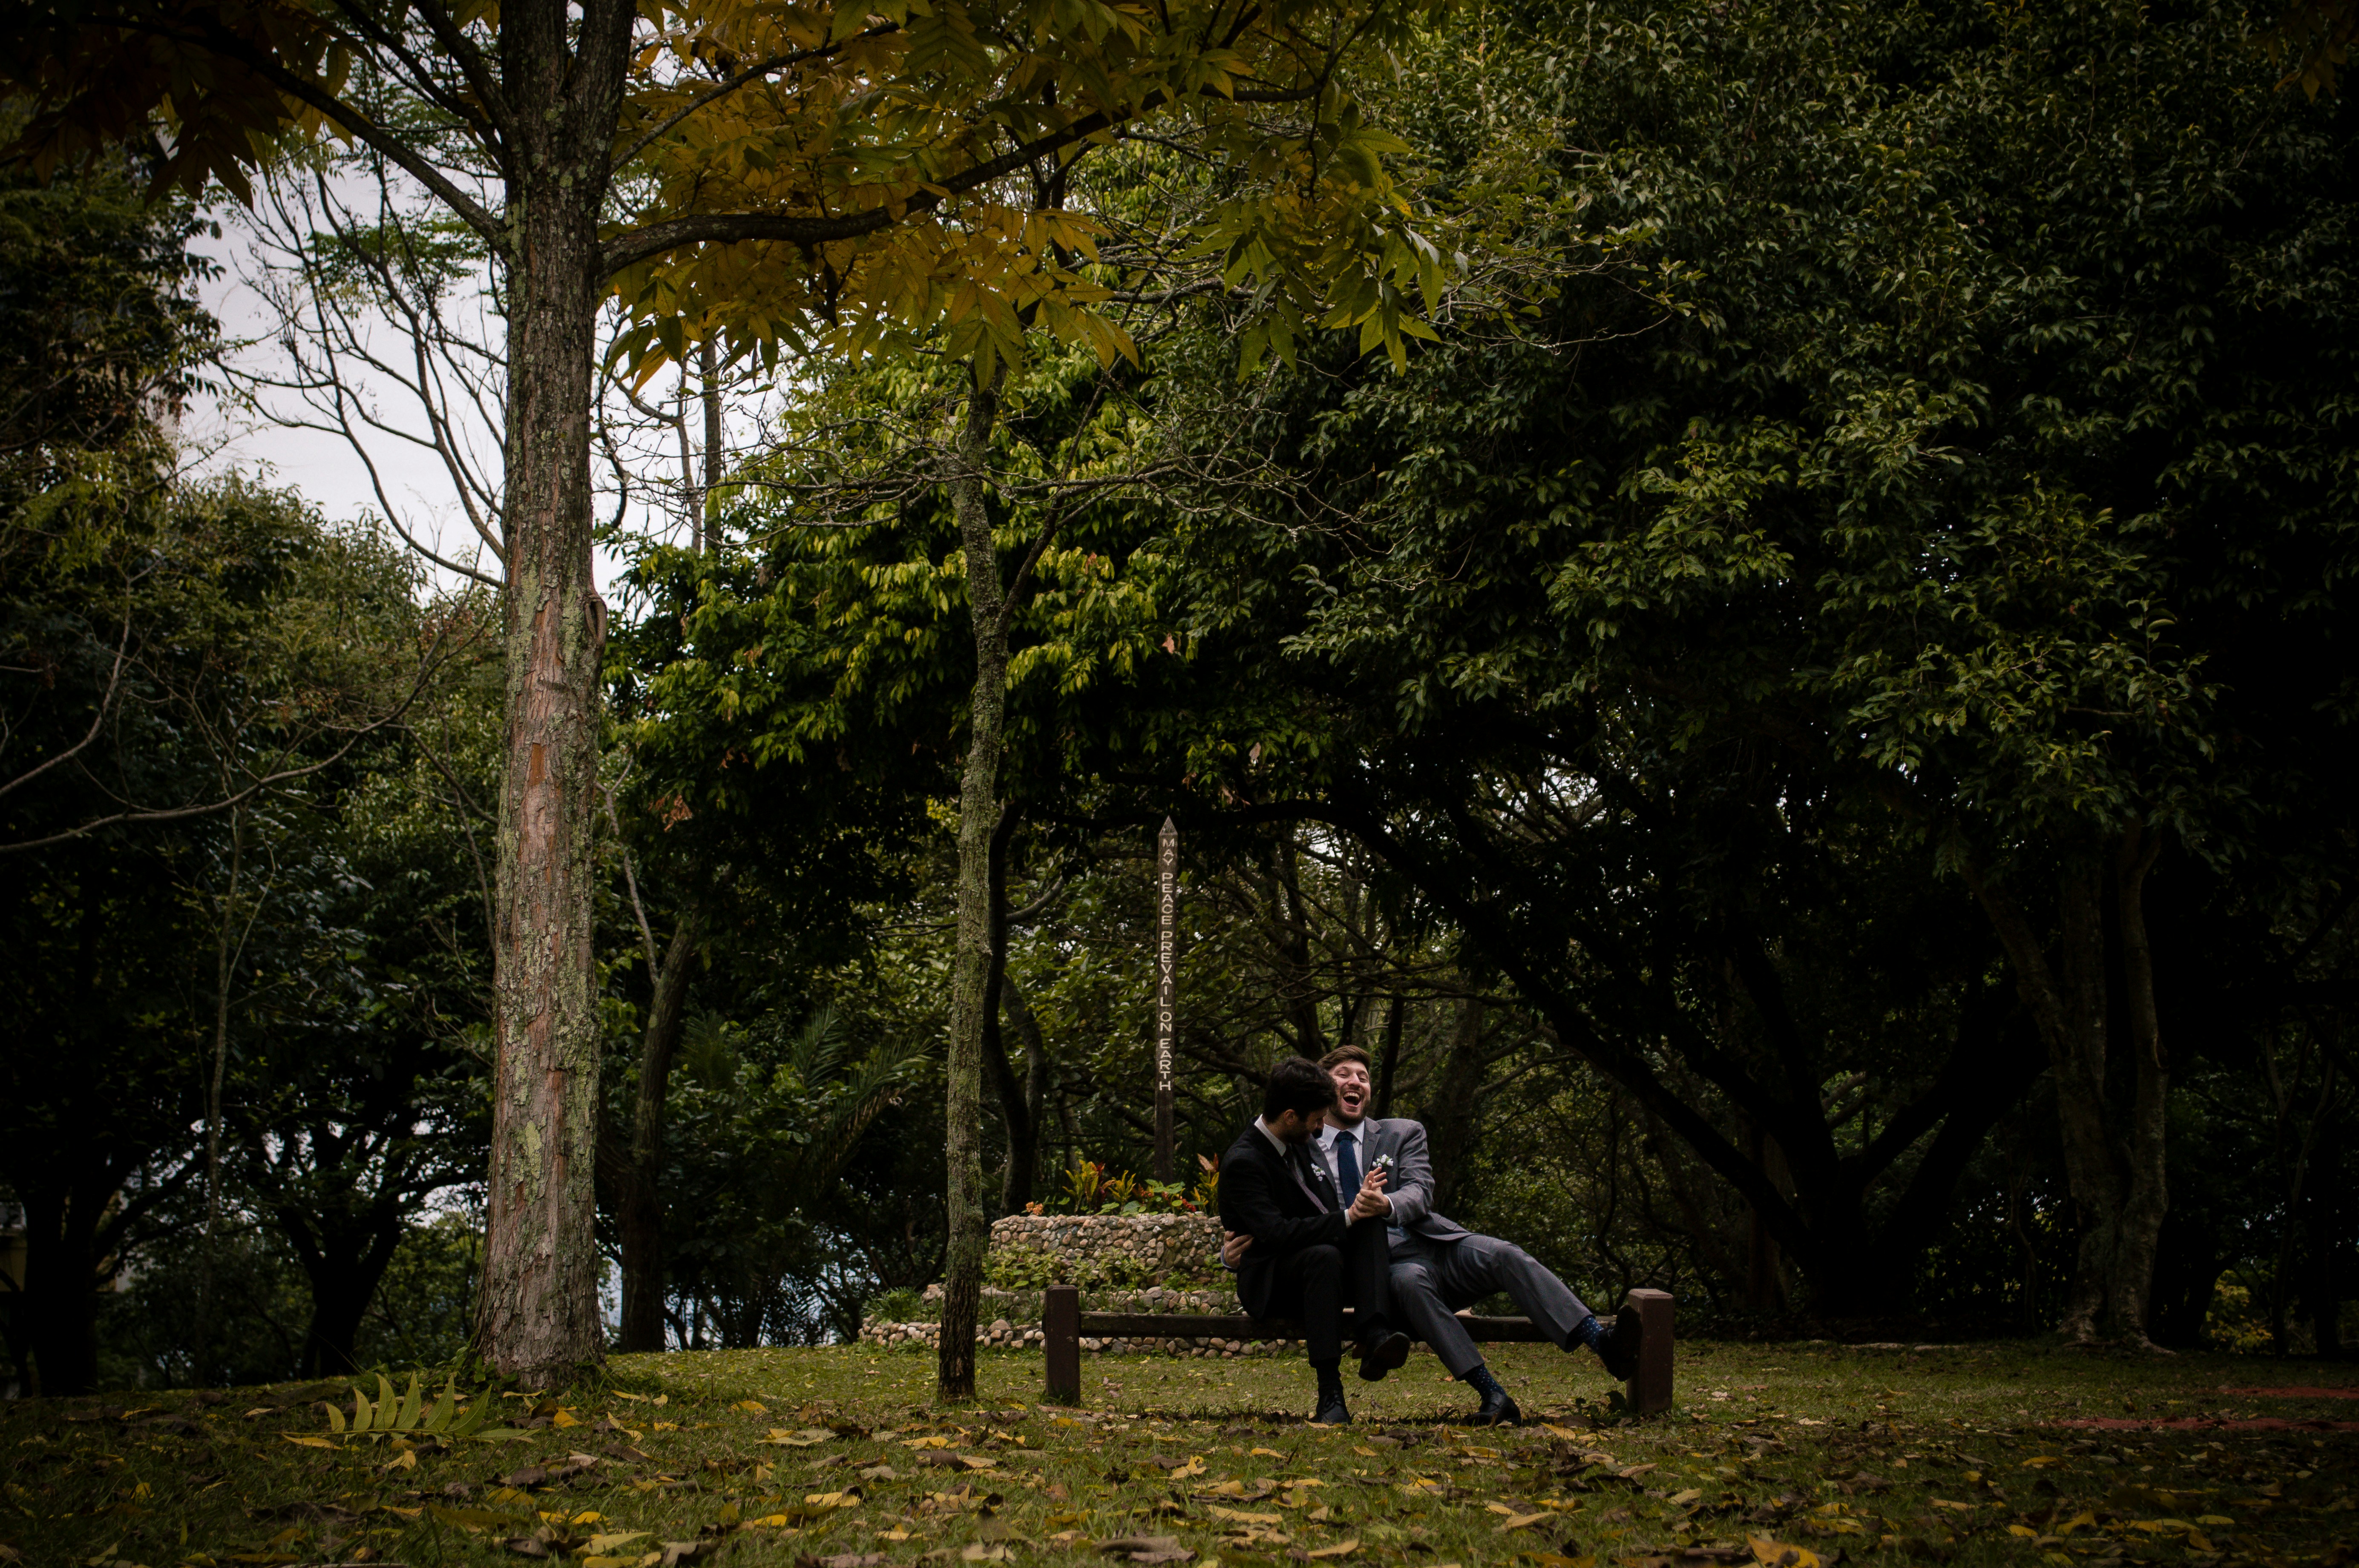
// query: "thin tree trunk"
[[1388, 1064], [708, 366], [1020, 1099], [994, 1044], [967, 1231], [222, 966], [2322, 1215], [538, 1316], [2147, 1199], [642, 1327]]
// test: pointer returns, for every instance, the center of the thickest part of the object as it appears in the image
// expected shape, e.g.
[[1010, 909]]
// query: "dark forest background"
[[1872, 527]]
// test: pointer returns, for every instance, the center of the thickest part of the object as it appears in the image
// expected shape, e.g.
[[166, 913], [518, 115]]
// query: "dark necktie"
[[1347, 1160]]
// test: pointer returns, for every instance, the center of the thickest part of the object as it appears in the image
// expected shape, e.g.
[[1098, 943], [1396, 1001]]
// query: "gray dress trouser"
[[1433, 1280]]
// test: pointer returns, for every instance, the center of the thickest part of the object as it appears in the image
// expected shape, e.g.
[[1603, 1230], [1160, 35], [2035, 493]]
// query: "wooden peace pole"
[[1166, 987]]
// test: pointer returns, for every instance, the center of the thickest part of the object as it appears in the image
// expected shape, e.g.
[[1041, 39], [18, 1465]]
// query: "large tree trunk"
[[968, 1232], [1455, 1107], [344, 1280], [642, 1327], [536, 1317], [67, 1236], [2118, 1189]]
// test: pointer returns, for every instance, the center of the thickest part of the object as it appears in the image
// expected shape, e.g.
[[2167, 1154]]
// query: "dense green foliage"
[[1872, 457]]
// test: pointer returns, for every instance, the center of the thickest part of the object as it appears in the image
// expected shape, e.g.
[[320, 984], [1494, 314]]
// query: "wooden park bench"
[[1063, 1324]]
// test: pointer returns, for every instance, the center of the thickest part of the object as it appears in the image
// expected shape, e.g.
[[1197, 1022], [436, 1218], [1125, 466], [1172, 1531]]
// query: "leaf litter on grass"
[[1958, 1458]]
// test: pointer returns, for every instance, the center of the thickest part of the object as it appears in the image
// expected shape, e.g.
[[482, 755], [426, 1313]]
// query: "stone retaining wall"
[[1027, 1336], [1159, 1244], [1155, 1245]]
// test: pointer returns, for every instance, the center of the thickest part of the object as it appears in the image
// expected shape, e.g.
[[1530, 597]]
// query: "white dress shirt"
[[1326, 1142]]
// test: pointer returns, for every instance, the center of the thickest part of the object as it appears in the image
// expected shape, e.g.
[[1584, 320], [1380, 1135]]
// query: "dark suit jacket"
[[1261, 1198]]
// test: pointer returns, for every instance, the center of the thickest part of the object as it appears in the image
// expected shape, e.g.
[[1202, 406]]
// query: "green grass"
[[1887, 1458]]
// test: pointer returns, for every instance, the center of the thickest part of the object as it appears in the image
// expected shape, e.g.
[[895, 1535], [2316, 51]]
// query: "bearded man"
[[1437, 1266]]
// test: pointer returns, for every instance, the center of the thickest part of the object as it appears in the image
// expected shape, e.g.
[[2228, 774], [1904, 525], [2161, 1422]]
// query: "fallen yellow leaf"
[[1777, 1554], [1273, 1452], [307, 1442], [1681, 1500], [1341, 1548], [781, 1438], [1241, 1517], [751, 1407], [1520, 1521], [567, 1418], [927, 1443], [2023, 1530], [600, 1544]]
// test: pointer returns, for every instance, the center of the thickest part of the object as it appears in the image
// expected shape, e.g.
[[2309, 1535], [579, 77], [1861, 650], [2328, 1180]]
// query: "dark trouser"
[[1433, 1280], [1313, 1287]]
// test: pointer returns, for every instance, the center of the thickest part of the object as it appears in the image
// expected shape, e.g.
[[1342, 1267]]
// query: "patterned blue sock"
[[1482, 1382], [1590, 1333]]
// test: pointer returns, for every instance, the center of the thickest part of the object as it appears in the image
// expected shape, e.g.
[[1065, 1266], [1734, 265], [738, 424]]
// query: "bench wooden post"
[[1650, 1382], [1060, 1336]]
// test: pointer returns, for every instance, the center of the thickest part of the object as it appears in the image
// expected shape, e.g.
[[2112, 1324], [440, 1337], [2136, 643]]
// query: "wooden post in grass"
[[1061, 1338], [1650, 1382], [1166, 987]]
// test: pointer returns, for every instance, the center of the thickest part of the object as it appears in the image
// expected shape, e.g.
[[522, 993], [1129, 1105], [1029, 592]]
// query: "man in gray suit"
[[1437, 1265]]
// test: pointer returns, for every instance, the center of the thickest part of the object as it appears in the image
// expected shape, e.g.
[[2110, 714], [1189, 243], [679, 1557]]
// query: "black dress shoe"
[[1498, 1410], [1333, 1412], [1383, 1354], [1619, 1349]]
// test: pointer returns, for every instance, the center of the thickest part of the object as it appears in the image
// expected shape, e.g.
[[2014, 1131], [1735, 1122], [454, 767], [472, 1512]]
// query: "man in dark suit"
[[1437, 1265], [1314, 1252]]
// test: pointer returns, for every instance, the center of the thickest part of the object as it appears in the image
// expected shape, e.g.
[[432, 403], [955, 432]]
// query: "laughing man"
[[1315, 1251], [1437, 1265]]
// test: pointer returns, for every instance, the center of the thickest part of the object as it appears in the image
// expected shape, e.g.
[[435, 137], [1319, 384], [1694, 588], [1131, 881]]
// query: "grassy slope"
[[1817, 1447]]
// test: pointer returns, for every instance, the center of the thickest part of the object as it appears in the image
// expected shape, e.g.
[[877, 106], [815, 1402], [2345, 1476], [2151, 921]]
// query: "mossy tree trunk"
[[537, 1316], [971, 965]]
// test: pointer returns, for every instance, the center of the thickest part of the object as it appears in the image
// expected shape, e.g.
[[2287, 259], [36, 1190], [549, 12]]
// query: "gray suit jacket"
[[1410, 1184]]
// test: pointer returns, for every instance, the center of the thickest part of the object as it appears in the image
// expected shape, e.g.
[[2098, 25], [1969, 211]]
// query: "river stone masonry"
[[1087, 1245], [1160, 1244]]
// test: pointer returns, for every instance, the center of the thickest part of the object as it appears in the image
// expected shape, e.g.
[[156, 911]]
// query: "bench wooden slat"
[[1063, 1322], [1237, 1325]]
